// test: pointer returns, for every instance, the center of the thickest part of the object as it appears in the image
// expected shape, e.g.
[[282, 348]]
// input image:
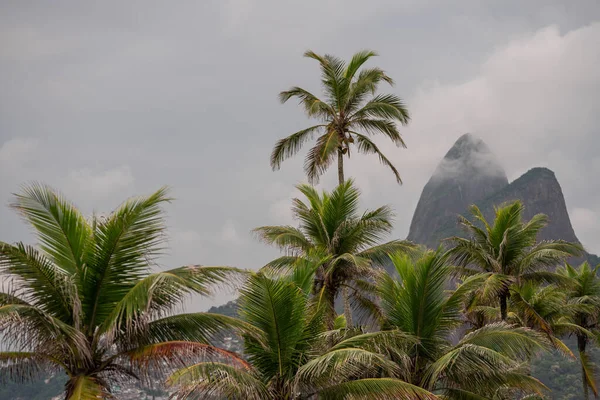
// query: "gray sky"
[[104, 100]]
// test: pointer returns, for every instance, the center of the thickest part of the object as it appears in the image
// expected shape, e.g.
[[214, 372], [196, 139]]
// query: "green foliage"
[[508, 248], [484, 362], [86, 302], [562, 375], [291, 354], [342, 244]]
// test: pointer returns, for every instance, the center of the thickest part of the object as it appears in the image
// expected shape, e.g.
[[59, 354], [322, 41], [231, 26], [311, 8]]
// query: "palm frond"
[[289, 146], [380, 254], [514, 342], [313, 106], [587, 369], [549, 254], [378, 126], [339, 365], [277, 308], [21, 366], [320, 157], [357, 61], [82, 387], [199, 327], [165, 356], [158, 294], [366, 146], [377, 389], [385, 106], [208, 379], [126, 245], [27, 328], [45, 285], [63, 232], [365, 84], [284, 237]]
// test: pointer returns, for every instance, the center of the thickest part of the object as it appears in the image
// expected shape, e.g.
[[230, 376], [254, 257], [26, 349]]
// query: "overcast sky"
[[104, 100]]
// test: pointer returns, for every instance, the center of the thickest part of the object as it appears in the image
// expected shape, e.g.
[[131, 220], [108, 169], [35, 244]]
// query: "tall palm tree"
[[482, 364], [349, 114], [85, 301], [583, 294], [332, 230], [508, 249], [287, 359]]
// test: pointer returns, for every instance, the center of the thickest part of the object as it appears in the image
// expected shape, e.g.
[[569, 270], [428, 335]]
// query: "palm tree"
[[583, 295], [509, 250], [332, 230], [350, 113], [540, 307], [86, 302], [543, 308], [287, 359], [482, 364]]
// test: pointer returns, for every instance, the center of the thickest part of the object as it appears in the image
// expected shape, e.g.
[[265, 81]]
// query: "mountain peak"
[[467, 159], [465, 145], [540, 172], [468, 173]]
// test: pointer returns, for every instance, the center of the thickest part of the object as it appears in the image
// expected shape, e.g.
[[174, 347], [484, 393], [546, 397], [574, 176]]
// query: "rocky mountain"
[[470, 174]]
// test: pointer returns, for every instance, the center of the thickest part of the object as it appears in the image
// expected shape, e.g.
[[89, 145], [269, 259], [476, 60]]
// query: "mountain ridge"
[[445, 196]]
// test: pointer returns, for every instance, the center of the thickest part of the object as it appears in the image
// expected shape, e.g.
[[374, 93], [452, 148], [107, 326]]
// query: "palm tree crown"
[[289, 357], [349, 114], [86, 301], [509, 249], [332, 230], [482, 364]]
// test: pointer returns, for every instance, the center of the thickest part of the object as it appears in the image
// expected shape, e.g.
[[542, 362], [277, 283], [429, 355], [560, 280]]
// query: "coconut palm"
[[508, 249], [85, 301], [289, 358], [346, 242], [540, 307], [482, 364], [543, 308], [349, 114], [583, 294]]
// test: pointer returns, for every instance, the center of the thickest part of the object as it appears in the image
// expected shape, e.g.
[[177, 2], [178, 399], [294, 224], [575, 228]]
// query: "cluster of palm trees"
[[460, 322]]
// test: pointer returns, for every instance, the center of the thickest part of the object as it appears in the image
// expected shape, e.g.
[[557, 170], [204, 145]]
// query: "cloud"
[[467, 155], [186, 246], [16, 151], [535, 102], [585, 223], [125, 102], [100, 184], [229, 232], [536, 92]]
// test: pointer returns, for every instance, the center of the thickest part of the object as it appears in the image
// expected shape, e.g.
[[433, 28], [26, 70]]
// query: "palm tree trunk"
[[340, 166], [347, 308], [503, 306], [581, 344]]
